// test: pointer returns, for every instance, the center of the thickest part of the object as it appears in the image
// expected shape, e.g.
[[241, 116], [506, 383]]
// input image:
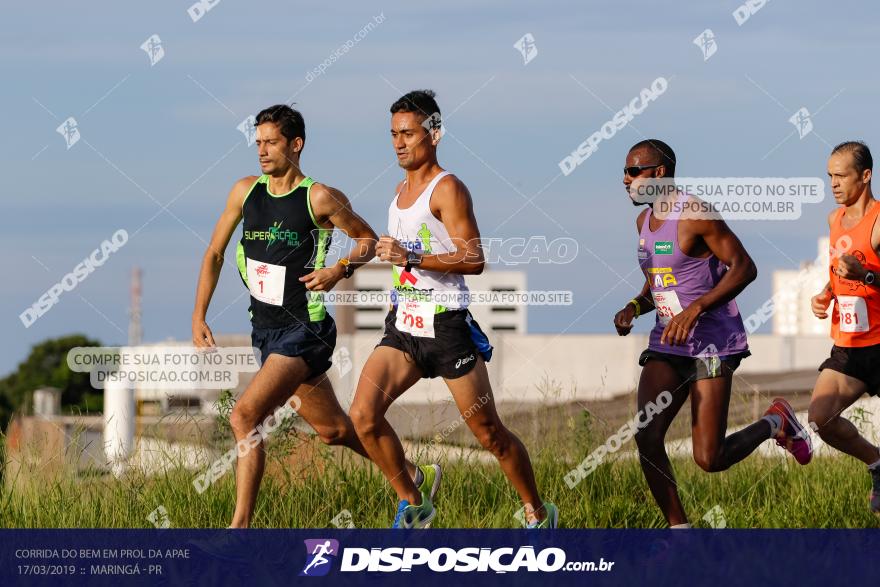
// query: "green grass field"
[[311, 491], [757, 493]]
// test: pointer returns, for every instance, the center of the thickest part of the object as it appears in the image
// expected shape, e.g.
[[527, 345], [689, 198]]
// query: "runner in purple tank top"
[[694, 267], [676, 281]]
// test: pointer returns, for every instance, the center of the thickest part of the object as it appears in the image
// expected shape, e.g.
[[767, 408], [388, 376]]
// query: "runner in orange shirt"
[[854, 365]]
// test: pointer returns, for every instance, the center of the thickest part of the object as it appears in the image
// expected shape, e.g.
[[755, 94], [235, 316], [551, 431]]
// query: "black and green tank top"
[[280, 243]]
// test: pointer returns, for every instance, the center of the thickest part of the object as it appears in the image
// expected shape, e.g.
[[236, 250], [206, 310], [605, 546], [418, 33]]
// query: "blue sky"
[[167, 133]]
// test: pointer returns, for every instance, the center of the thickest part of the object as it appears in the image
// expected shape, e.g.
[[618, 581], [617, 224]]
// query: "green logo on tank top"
[[663, 248], [425, 235], [273, 235]]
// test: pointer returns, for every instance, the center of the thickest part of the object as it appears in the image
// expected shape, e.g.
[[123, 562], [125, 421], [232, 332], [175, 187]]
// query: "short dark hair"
[[664, 153], [290, 122], [419, 101], [860, 152]]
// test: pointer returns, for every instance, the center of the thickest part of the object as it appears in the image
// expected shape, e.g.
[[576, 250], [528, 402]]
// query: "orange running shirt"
[[855, 320]]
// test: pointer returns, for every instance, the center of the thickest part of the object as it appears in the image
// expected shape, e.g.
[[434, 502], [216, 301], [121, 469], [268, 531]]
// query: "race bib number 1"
[[266, 282], [853, 314], [415, 317], [667, 305]]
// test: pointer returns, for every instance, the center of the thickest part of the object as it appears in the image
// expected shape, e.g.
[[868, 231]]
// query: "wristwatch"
[[870, 278], [413, 259], [347, 267]]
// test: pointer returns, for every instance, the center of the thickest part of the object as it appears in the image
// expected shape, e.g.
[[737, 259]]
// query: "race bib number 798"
[[415, 317]]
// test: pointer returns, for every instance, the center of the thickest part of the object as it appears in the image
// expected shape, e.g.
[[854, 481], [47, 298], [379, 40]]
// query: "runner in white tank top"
[[418, 230], [433, 242]]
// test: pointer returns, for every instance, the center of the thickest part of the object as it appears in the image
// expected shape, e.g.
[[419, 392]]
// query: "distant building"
[[154, 402], [376, 277], [792, 292], [47, 402]]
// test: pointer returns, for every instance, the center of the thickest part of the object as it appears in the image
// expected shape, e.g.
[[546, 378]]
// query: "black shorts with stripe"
[[453, 351], [696, 368]]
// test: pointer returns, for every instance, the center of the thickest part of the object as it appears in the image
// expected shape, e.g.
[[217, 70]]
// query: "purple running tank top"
[[676, 280]]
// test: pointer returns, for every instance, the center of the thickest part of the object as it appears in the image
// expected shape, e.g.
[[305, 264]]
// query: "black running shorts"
[[862, 363], [458, 341]]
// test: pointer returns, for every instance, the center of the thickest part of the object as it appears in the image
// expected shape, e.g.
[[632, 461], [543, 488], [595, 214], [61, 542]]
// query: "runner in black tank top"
[[288, 219], [281, 242]]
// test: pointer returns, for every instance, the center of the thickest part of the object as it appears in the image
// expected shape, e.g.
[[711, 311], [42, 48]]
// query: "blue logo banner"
[[436, 557]]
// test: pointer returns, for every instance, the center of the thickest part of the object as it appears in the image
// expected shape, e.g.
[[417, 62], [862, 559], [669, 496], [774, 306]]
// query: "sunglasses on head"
[[637, 169]]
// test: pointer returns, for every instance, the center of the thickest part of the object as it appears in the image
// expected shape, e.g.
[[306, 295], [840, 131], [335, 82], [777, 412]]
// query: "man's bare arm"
[[645, 299], [727, 247], [741, 271], [212, 262], [333, 209], [453, 201]]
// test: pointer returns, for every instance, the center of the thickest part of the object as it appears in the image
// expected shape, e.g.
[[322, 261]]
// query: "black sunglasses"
[[637, 169]]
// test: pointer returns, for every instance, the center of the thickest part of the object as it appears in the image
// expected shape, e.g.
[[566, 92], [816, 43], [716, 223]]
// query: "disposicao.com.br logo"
[[441, 560], [319, 553]]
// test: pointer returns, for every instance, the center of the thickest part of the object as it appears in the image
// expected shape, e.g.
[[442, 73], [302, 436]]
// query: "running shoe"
[[431, 475], [414, 516], [550, 522], [791, 436]]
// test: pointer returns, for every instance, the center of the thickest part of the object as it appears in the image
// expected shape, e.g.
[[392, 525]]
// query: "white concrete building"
[[376, 277], [544, 367], [525, 368], [792, 291]]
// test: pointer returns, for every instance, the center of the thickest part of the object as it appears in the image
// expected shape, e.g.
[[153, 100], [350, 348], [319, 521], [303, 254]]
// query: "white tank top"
[[417, 229]]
